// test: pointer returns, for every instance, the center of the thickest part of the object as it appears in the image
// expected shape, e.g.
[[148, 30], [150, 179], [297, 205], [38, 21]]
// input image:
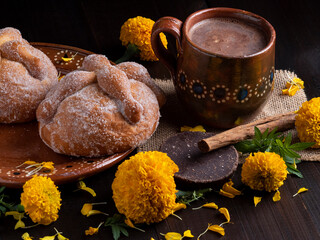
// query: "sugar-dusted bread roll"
[[26, 75], [97, 111]]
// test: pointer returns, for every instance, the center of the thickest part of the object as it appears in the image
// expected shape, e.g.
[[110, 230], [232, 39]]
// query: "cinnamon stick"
[[282, 122]]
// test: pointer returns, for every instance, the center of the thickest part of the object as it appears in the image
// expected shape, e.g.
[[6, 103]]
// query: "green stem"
[[131, 50]]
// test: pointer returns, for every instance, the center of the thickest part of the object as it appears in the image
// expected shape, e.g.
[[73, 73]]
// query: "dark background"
[[95, 25]]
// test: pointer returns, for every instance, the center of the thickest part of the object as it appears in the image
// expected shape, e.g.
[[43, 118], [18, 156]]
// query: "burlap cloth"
[[173, 116]]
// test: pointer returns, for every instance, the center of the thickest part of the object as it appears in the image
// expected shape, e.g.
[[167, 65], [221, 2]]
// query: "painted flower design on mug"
[[198, 89], [182, 80]]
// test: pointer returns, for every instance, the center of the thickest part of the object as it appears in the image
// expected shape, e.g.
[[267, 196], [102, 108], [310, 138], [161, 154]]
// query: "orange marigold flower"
[[308, 122], [264, 171], [137, 31], [144, 189], [41, 200]]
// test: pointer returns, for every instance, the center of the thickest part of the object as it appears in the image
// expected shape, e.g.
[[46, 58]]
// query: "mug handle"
[[172, 26]]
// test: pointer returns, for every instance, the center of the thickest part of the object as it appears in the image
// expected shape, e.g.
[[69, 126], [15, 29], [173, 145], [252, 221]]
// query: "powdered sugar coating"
[[9, 34], [117, 85], [89, 123], [95, 62], [70, 84], [26, 75], [91, 119], [138, 72]]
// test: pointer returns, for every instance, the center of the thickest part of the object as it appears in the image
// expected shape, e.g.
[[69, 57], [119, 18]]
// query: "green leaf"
[[272, 134], [265, 134], [291, 153], [2, 210], [301, 146], [292, 170], [288, 140], [246, 146], [2, 189], [279, 142], [117, 224], [257, 133], [19, 208], [269, 148], [115, 232], [257, 142], [124, 231], [289, 160], [131, 51], [187, 197]]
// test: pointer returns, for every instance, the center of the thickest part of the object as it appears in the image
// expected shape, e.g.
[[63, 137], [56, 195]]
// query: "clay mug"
[[221, 91]]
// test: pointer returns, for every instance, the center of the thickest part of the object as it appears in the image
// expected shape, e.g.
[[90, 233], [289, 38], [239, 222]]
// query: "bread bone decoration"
[[101, 109], [26, 75]]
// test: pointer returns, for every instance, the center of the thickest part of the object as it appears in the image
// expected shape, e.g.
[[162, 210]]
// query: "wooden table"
[[94, 25]]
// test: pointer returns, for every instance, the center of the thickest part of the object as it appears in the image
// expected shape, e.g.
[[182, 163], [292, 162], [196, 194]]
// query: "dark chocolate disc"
[[197, 169]]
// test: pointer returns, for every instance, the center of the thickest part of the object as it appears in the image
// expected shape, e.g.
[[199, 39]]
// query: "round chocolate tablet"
[[197, 169]]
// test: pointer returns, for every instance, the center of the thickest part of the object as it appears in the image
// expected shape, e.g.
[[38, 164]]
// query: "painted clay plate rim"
[[21, 142]]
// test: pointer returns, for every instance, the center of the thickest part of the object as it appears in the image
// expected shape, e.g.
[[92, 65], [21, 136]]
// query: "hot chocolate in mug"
[[224, 68]]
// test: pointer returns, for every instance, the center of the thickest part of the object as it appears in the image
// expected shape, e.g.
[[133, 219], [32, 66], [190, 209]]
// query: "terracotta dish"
[[21, 142]]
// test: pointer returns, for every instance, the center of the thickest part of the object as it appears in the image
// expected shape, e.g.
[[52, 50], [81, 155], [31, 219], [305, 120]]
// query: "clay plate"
[[21, 142]]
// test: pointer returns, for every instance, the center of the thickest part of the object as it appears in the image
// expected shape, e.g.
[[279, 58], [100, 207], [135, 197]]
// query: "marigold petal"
[[227, 187], [86, 208], [172, 236], [210, 205], [301, 190], [89, 190], [285, 91], [48, 165], [299, 82], [26, 236], [225, 212], [19, 224], [217, 229], [293, 86], [256, 200], [48, 237], [60, 237], [226, 194], [29, 162], [16, 215], [185, 128], [179, 206], [66, 59], [188, 234], [62, 76], [91, 231], [276, 197], [129, 223], [198, 128], [94, 212]]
